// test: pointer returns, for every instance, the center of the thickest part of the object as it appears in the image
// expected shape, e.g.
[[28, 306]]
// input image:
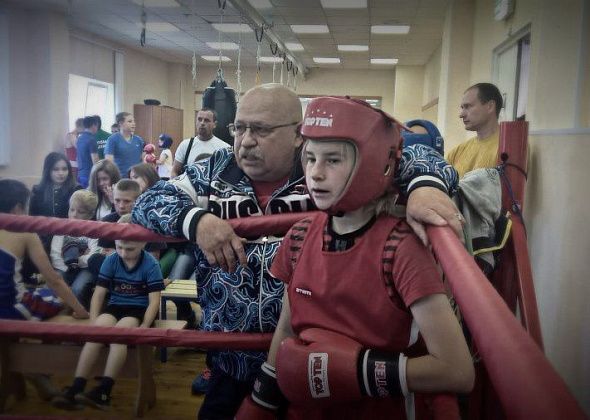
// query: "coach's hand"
[[429, 205], [219, 243]]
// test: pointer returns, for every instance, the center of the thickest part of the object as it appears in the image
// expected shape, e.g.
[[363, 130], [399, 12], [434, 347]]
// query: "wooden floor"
[[174, 399]]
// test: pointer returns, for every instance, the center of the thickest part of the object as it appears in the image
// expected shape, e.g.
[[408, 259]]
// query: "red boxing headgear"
[[375, 135]]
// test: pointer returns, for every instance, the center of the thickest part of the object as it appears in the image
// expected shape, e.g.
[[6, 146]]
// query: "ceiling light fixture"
[[344, 4], [353, 48], [271, 59], [294, 46], [260, 4], [157, 3], [310, 29], [159, 27], [232, 28], [390, 61], [326, 60], [390, 29], [223, 45], [215, 58]]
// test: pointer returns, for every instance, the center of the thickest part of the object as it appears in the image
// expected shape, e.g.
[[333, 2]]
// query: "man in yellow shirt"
[[480, 109]]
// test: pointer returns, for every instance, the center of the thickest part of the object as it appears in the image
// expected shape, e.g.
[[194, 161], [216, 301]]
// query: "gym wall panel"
[[431, 78], [38, 66], [431, 114], [559, 241], [323, 81], [584, 73], [146, 77], [91, 60], [408, 92], [4, 87]]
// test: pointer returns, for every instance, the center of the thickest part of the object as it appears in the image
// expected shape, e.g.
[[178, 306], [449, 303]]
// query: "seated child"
[[359, 286], [69, 254], [133, 278], [16, 301], [125, 192]]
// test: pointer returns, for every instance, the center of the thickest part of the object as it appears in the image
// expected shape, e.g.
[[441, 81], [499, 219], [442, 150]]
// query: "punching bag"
[[222, 99]]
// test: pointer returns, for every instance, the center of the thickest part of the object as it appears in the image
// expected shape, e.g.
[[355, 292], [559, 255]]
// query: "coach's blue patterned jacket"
[[249, 300]]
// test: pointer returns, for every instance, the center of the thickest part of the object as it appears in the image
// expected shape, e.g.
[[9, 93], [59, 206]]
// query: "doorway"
[[511, 62]]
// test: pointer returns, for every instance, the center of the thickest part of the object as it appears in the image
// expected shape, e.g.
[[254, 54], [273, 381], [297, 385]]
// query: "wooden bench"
[[33, 356], [181, 290]]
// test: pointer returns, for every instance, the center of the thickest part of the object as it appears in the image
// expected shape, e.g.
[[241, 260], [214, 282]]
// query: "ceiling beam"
[[256, 20]]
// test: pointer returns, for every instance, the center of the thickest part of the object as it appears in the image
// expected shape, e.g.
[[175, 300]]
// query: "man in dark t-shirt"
[[86, 148]]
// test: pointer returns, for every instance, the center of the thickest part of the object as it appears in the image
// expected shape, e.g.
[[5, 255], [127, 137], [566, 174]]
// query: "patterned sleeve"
[[422, 166], [415, 274], [174, 207]]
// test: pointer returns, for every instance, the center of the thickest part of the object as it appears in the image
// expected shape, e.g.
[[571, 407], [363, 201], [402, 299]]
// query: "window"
[[90, 97]]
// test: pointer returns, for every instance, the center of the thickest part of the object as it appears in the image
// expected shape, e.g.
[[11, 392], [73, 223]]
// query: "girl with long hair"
[[51, 196], [103, 176]]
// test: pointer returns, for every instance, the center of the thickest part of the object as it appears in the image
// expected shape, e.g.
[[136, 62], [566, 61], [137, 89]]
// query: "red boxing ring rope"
[[526, 383], [278, 224], [154, 336]]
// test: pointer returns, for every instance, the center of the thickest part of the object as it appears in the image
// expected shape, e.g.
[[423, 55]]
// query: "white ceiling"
[[190, 28]]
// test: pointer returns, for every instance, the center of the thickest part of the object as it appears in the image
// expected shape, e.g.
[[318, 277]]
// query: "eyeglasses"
[[239, 129]]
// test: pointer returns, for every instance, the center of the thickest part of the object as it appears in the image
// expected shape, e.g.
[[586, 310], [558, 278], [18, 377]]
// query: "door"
[[511, 73]]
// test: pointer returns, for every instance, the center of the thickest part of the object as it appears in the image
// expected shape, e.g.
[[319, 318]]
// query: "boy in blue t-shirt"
[[134, 280]]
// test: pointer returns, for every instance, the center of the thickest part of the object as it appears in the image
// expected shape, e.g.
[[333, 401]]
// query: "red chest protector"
[[346, 291]]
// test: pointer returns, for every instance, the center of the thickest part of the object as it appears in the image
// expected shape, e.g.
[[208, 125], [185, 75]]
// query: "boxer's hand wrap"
[[382, 374], [266, 391]]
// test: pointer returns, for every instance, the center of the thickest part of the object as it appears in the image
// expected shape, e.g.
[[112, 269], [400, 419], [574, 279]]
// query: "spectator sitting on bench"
[[134, 280], [70, 254]]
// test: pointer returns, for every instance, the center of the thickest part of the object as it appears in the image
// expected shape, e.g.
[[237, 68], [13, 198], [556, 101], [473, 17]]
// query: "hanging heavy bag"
[[222, 99]]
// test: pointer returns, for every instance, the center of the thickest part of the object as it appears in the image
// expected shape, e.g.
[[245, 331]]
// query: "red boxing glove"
[[150, 159], [149, 148], [249, 410], [319, 367]]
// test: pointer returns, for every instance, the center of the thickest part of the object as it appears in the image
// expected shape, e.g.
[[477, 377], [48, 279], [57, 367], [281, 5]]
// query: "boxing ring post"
[[527, 385], [514, 277]]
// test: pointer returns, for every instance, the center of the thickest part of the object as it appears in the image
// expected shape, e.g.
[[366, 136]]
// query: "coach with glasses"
[[263, 175]]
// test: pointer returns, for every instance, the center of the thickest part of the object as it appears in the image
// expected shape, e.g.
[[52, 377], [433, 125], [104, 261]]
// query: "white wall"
[[38, 68], [432, 77], [408, 92]]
